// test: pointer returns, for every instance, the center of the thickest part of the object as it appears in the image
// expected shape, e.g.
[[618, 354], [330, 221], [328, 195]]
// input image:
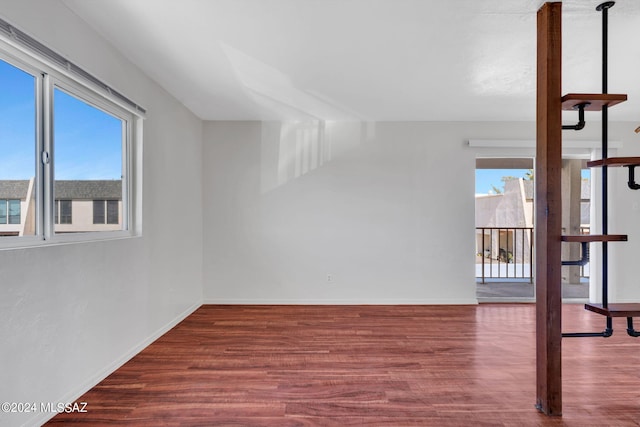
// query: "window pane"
[[98, 211], [18, 148], [3, 211], [112, 212], [65, 211], [88, 161], [14, 211]]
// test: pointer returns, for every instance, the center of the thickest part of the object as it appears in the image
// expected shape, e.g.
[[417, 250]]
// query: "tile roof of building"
[[14, 189], [88, 190], [67, 190]]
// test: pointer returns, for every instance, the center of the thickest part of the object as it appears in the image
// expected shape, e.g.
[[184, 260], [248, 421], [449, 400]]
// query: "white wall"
[[387, 209], [624, 218], [71, 314]]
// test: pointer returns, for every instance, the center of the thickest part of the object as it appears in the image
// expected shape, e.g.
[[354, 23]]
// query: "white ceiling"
[[365, 59]]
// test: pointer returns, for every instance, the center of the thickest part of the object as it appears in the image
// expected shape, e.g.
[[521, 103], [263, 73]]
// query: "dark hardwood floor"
[[367, 365]]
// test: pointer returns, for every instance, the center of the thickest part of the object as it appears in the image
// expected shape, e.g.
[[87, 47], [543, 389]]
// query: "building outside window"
[[63, 212], [112, 212], [88, 205], [14, 211], [105, 211], [9, 211]]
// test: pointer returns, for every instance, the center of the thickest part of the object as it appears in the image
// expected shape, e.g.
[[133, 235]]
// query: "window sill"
[[11, 243]]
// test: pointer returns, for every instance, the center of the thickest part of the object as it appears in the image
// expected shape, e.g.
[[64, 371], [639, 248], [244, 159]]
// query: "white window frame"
[[49, 76], [57, 211]]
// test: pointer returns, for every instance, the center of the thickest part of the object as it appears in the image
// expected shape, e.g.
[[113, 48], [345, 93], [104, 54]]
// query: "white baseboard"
[[102, 374], [362, 301]]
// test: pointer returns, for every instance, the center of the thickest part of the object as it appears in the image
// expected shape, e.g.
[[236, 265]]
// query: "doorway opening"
[[504, 216], [504, 229]]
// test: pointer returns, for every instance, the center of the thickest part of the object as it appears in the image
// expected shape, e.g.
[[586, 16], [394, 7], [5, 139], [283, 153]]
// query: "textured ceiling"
[[455, 60]]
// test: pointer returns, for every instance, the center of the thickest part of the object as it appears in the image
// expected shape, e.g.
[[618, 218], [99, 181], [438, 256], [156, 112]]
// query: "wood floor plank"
[[366, 365]]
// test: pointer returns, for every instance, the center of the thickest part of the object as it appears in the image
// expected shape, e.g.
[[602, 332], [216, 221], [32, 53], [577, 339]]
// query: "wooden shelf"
[[615, 161], [588, 238], [615, 310], [596, 100]]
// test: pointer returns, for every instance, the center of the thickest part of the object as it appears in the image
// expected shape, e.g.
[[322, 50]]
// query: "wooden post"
[[548, 218]]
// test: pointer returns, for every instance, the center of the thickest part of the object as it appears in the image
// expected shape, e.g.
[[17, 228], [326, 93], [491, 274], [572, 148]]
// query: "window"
[[98, 211], [69, 144], [14, 211], [112, 212], [89, 150], [17, 145], [105, 212], [9, 211], [63, 212]]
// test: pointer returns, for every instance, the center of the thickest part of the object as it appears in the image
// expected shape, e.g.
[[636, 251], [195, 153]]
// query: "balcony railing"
[[504, 253], [507, 253]]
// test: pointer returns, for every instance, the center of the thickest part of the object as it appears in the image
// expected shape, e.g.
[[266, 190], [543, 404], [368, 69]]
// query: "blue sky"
[[17, 118], [88, 141], [485, 178]]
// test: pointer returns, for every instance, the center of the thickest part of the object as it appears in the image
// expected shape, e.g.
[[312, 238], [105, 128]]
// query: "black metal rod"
[[605, 218], [604, 8], [632, 332], [632, 180], [604, 334], [584, 260], [581, 122]]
